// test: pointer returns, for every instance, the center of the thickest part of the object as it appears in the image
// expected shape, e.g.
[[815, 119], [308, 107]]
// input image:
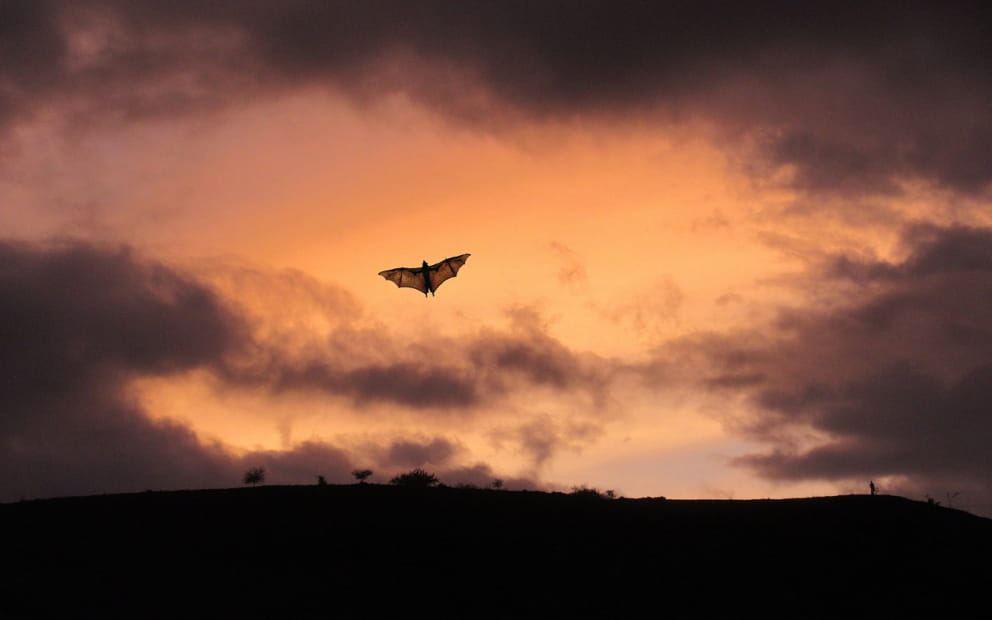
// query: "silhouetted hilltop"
[[376, 550]]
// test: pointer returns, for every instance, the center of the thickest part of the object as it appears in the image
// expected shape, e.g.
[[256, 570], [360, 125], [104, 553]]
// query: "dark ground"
[[384, 551]]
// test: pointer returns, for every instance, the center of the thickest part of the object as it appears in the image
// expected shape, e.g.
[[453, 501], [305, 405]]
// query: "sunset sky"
[[719, 250]]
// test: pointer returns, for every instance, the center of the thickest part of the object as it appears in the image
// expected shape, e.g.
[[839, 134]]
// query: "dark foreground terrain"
[[382, 551]]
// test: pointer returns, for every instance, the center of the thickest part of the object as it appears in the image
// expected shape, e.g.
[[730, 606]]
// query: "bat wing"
[[404, 276], [448, 268]]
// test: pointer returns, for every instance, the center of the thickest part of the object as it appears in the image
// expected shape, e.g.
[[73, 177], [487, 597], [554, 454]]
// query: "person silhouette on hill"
[[871, 486]]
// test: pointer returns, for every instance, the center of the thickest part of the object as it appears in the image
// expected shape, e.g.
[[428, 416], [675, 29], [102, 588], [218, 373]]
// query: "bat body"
[[425, 278]]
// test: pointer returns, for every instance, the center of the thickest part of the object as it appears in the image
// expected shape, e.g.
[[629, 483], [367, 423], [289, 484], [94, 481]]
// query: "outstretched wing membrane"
[[448, 268], [404, 276]]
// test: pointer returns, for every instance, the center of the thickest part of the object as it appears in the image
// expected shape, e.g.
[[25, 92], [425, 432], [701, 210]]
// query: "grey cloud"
[[542, 361], [853, 96], [74, 316], [948, 250], [77, 322], [424, 384], [454, 374], [411, 453], [929, 250], [32, 48], [896, 381]]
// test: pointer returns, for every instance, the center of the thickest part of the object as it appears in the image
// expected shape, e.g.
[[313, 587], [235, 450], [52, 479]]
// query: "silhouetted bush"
[[321, 482], [415, 478], [361, 474], [254, 475], [497, 484], [587, 492]]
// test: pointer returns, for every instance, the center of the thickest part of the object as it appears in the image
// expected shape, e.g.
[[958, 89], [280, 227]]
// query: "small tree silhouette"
[[415, 478], [254, 475], [361, 474], [497, 484], [321, 481]]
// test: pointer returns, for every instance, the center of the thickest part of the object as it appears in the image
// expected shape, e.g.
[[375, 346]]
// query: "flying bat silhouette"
[[426, 278]]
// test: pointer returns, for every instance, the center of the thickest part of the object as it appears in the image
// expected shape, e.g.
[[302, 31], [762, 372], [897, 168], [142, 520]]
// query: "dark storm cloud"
[[930, 250], [414, 453], [73, 315], [77, 322], [895, 381], [854, 96], [32, 48], [421, 384], [534, 358], [441, 374]]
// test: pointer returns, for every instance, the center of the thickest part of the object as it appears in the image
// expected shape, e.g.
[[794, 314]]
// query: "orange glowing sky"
[[621, 241], [618, 237]]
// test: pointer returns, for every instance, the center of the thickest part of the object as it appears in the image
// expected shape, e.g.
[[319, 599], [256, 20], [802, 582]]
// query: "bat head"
[[425, 266]]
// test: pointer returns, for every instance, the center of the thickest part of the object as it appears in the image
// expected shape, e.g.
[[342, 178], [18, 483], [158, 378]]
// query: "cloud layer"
[[892, 381], [423, 372], [852, 98], [77, 323], [896, 380]]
